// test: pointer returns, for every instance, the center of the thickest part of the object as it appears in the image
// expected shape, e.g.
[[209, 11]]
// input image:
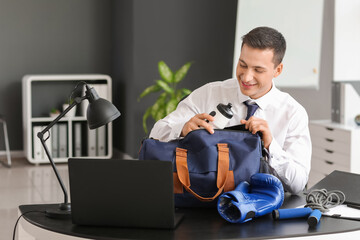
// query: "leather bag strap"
[[222, 173]]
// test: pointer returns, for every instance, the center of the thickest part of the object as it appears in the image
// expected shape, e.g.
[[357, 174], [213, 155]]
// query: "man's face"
[[256, 70]]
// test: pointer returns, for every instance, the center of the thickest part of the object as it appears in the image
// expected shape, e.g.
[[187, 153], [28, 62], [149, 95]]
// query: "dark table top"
[[198, 224]]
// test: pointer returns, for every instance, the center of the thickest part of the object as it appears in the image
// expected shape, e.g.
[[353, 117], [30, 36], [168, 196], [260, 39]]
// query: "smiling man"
[[282, 121]]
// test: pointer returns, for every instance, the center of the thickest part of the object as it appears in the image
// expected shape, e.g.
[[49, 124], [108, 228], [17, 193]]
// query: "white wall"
[[301, 24]]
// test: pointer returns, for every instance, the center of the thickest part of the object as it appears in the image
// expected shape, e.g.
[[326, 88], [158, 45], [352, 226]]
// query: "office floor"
[[25, 183]]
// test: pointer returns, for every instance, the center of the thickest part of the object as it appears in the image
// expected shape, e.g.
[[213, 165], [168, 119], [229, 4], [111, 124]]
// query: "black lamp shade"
[[100, 112]]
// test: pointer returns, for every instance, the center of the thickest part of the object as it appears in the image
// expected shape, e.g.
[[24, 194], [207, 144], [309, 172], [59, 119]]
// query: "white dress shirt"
[[290, 149]]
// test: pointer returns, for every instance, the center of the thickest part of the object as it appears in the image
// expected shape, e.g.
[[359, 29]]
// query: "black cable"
[[17, 221], [323, 200]]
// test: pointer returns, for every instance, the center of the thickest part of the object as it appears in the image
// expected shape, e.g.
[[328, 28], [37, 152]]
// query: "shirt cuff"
[[275, 151]]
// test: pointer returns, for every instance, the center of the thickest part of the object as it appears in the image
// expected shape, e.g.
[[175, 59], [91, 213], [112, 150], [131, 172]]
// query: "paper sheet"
[[343, 211]]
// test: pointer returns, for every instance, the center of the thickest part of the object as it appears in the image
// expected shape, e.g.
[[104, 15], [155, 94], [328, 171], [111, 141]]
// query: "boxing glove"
[[261, 196]]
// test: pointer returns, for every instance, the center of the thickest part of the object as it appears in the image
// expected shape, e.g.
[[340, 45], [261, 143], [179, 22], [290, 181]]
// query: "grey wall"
[[175, 31], [45, 37], [179, 31], [126, 39]]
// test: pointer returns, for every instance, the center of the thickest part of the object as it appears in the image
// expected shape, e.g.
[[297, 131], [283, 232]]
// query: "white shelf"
[[34, 115], [64, 119]]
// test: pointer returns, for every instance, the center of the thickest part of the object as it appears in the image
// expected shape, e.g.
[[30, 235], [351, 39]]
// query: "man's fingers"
[[207, 126], [247, 123], [200, 120], [196, 122], [200, 123], [205, 116], [255, 125], [251, 124]]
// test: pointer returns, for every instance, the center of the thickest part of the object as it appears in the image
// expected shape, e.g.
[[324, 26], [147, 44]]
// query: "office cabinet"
[[70, 137], [334, 147]]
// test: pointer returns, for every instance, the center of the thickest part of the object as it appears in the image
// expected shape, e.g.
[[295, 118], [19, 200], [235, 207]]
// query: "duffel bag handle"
[[222, 172]]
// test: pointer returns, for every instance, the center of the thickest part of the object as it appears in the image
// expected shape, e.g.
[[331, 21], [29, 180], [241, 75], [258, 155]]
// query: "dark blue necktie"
[[251, 109]]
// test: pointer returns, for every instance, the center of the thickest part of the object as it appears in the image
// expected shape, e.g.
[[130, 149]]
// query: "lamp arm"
[[40, 135], [55, 169], [77, 101]]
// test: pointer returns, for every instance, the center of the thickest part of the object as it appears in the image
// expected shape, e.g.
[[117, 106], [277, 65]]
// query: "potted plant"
[[168, 100], [72, 112], [54, 112]]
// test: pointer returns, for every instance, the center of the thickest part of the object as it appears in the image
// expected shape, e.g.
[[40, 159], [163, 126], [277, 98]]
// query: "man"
[[282, 121]]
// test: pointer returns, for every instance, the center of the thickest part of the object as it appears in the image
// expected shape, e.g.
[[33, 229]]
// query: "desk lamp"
[[99, 113]]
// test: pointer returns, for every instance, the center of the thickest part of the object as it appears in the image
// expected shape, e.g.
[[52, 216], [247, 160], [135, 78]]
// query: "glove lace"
[[322, 199]]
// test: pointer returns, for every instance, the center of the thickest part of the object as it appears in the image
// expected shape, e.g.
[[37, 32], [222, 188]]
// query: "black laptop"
[[122, 193]]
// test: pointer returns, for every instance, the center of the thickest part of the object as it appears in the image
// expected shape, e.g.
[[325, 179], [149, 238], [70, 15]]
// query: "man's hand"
[[255, 125], [196, 122]]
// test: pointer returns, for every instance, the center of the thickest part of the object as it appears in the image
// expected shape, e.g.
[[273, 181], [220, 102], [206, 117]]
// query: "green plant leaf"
[[169, 98], [150, 89], [160, 102], [181, 93], [181, 73], [161, 113], [165, 86], [165, 72], [178, 94], [171, 105], [186, 91], [145, 117]]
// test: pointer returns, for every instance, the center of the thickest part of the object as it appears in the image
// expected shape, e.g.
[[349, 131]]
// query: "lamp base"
[[63, 211]]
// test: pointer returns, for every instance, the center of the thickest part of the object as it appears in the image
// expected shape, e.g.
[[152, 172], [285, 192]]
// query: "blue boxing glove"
[[264, 194]]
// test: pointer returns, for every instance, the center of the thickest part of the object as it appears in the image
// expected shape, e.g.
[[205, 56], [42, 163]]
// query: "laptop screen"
[[127, 193]]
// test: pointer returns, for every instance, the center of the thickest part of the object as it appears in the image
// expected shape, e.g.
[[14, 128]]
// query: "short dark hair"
[[266, 38]]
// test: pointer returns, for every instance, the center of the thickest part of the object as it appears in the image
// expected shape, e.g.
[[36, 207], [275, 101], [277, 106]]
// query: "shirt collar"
[[241, 97], [264, 101]]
